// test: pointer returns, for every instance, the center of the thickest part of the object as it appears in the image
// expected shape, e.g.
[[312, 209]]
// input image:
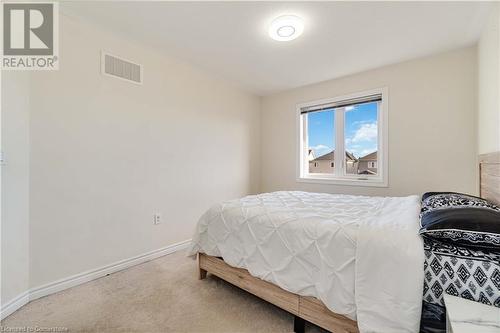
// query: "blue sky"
[[360, 130]]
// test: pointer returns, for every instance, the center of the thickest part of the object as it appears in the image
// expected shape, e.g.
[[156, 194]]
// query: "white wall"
[[107, 154], [15, 186], [432, 134], [489, 84]]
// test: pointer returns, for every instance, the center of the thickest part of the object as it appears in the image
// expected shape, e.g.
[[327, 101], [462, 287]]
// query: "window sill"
[[343, 181]]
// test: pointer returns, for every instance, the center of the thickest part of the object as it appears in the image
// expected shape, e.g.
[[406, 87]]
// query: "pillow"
[[461, 219]]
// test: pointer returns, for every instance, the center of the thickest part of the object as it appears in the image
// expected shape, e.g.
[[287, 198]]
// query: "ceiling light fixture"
[[286, 27]]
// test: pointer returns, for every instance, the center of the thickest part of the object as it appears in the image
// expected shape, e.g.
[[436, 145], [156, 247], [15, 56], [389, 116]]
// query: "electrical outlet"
[[157, 218]]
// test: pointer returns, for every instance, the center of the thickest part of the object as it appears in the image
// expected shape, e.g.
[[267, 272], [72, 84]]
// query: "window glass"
[[361, 139], [321, 141], [343, 140]]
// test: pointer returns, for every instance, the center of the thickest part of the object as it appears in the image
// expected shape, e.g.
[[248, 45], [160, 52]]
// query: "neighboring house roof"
[[311, 154], [369, 157], [350, 156], [331, 156]]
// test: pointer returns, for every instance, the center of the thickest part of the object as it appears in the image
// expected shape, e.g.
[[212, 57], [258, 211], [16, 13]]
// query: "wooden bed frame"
[[309, 308], [489, 176], [303, 308]]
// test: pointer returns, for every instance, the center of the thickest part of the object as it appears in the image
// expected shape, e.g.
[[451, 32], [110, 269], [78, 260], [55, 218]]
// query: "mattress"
[[361, 256]]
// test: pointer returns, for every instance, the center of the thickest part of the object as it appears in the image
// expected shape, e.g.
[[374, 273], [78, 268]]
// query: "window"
[[343, 140]]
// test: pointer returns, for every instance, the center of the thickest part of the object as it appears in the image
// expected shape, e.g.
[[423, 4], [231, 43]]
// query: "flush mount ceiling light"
[[286, 27]]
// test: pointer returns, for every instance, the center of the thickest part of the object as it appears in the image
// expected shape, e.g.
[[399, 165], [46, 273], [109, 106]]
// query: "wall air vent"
[[120, 68]]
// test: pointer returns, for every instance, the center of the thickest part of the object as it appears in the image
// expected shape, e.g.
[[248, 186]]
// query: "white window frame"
[[340, 177]]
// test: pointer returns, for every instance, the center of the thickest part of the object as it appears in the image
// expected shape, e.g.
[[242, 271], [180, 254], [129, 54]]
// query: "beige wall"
[[107, 154], [15, 186], [432, 134], [489, 84]]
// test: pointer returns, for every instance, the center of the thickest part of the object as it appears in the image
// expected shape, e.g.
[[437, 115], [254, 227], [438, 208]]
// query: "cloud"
[[361, 122], [367, 151], [350, 108], [320, 149], [360, 151], [366, 132]]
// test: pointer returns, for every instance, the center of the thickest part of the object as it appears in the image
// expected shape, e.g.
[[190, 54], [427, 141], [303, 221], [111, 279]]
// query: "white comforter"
[[361, 256]]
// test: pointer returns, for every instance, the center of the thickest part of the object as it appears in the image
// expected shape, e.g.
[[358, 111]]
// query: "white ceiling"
[[340, 38]]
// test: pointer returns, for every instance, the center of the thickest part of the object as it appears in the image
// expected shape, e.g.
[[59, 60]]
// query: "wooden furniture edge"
[[489, 177], [490, 157], [307, 308]]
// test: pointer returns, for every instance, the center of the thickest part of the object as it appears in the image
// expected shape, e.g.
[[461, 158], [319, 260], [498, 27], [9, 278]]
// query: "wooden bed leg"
[[203, 274], [299, 325]]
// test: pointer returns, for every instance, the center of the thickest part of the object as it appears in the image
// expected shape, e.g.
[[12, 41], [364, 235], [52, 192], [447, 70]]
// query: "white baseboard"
[[74, 280], [15, 304]]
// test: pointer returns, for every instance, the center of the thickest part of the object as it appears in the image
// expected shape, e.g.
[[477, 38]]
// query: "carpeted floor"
[[163, 295]]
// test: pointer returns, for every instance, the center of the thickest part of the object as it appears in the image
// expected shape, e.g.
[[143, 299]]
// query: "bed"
[[345, 263]]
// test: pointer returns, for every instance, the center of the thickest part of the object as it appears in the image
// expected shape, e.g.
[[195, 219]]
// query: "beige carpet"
[[163, 295]]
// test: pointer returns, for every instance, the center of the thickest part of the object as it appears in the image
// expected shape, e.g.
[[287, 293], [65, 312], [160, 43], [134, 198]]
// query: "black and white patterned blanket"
[[469, 273]]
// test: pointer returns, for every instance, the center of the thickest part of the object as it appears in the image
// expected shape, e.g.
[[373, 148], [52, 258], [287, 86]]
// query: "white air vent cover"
[[123, 69]]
